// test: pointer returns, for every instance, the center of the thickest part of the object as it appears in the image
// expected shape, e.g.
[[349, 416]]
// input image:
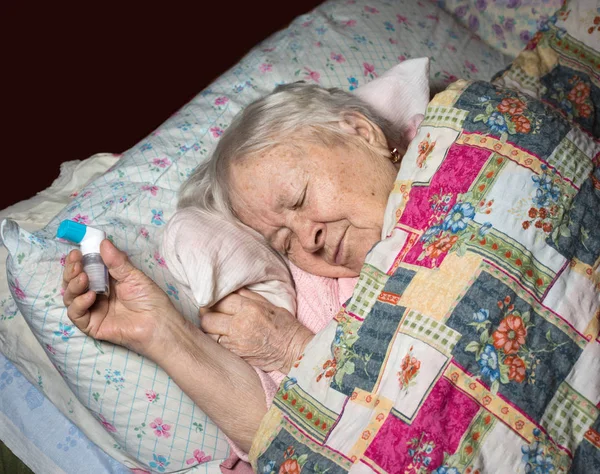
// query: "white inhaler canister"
[[89, 240]]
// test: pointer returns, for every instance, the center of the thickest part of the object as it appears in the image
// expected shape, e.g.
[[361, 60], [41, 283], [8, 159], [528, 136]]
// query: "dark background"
[[98, 76]]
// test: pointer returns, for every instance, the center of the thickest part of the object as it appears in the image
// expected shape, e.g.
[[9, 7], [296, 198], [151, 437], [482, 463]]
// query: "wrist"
[[296, 347], [170, 336]]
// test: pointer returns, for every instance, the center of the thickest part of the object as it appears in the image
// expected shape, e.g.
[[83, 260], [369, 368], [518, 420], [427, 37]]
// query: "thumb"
[[117, 262]]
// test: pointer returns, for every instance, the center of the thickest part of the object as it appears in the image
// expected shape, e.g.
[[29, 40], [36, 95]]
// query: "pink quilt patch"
[[398, 445]]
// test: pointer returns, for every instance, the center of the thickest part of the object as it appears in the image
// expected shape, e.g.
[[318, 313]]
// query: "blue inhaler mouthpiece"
[[89, 240], [71, 230]]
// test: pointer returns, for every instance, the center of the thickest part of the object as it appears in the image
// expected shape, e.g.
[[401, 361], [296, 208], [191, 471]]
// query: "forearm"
[[223, 385]]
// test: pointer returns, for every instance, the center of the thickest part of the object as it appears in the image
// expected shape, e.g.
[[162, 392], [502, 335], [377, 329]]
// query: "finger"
[[117, 262], [76, 287], [231, 304], [252, 295], [79, 310], [72, 266], [216, 323]]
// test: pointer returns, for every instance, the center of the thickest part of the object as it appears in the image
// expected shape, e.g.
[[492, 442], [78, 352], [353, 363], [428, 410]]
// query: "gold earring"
[[396, 157]]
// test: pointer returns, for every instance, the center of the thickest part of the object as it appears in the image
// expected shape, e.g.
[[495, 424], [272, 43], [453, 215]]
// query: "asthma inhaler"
[[89, 240]]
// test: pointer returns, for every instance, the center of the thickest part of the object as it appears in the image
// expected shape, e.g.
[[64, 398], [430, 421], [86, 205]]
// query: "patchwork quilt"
[[471, 342]]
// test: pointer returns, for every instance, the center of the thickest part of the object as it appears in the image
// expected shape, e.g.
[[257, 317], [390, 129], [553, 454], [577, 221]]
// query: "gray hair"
[[290, 110]]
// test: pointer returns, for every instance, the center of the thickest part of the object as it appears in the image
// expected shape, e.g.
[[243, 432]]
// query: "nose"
[[311, 235]]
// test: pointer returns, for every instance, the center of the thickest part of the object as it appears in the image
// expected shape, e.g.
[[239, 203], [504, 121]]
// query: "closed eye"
[[301, 200]]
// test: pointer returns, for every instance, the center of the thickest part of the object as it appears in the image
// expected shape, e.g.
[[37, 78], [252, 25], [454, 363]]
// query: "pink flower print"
[[151, 396], [19, 293], [199, 457], [349, 23], [401, 58], [371, 9], [306, 24], [350, 2], [433, 18], [402, 19], [153, 189], [451, 47], [216, 131], [338, 58], [50, 349], [160, 428], [393, 41], [144, 233], [86, 194], [74, 194], [62, 291], [369, 70], [268, 50], [107, 426], [82, 219], [318, 44], [161, 162], [314, 75], [160, 260], [221, 100], [63, 259], [265, 67], [471, 67]]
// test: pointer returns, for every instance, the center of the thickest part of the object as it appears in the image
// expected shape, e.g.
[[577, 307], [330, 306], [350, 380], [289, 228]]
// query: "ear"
[[355, 123]]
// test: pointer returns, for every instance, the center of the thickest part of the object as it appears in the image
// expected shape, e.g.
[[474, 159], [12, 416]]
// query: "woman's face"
[[322, 207]]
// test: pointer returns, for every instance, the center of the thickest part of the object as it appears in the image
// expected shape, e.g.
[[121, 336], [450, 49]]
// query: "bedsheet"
[[471, 342]]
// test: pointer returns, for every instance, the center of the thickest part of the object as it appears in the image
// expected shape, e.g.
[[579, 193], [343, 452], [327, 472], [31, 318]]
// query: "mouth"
[[338, 256]]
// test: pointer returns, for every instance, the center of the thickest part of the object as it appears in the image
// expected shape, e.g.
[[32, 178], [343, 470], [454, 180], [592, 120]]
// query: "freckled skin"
[[346, 191]]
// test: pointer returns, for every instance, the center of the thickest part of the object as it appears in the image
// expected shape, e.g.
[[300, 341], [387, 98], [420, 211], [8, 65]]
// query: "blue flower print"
[[497, 123], [481, 315], [157, 217], [269, 467], [541, 198], [353, 83], [485, 228], [172, 291], [458, 217], [446, 470], [339, 332], [159, 463], [289, 383], [488, 361], [389, 26], [321, 30], [146, 146], [65, 331], [360, 39]]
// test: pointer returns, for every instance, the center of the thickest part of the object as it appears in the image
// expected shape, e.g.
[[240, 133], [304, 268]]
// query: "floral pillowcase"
[[507, 25]]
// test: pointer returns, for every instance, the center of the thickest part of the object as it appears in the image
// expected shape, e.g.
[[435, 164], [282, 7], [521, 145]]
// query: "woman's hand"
[[264, 335], [137, 314]]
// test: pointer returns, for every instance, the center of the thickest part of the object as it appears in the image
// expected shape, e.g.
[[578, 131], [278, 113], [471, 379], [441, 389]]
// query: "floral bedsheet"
[[471, 342]]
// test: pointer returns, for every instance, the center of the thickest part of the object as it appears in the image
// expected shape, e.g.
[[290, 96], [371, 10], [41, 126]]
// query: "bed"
[[341, 43]]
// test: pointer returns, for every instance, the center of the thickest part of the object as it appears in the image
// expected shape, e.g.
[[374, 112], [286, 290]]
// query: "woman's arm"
[[140, 316], [223, 385]]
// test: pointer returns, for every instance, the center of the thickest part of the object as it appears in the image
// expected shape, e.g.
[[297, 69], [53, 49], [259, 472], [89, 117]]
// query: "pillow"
[[216, 267], [340, 44], [508, 25]]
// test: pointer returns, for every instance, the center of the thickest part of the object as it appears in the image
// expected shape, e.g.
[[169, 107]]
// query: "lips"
[[338, 256]]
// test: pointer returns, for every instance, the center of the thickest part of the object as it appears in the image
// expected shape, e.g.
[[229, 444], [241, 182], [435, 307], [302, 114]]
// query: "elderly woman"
[[308, 168]]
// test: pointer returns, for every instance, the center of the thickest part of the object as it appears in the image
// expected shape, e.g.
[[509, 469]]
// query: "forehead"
[[260, 183]]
